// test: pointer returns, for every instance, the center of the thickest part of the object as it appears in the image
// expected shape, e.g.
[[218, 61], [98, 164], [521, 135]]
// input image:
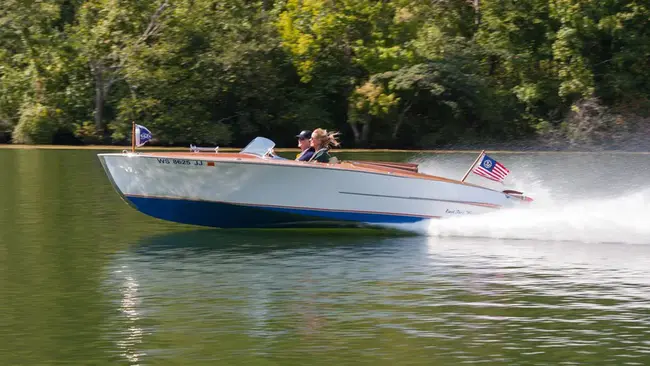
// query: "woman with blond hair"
[[322, 140]]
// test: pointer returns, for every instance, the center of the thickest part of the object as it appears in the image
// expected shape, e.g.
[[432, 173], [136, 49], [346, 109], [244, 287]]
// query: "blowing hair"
[[327, 138]]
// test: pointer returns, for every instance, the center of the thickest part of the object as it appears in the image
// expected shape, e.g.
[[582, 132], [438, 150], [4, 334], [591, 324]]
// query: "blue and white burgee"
[[142, 135]]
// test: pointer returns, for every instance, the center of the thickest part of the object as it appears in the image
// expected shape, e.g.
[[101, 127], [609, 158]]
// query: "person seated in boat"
[[322, 140], [306, 151]]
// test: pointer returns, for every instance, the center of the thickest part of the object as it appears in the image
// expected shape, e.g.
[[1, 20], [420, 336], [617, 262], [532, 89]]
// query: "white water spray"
[[615, 220], [606, 217]]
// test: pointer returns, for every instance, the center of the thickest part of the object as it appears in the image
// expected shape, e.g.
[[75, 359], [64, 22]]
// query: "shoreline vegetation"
[[296, 150], [396, 74]]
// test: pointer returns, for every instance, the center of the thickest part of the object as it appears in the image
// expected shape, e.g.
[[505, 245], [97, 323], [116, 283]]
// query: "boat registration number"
[[180, 161]]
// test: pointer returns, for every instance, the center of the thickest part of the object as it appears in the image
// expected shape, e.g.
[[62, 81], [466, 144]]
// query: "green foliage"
[[13, 86], [373, 99], [87, 133], [37, 125], [395, 73]]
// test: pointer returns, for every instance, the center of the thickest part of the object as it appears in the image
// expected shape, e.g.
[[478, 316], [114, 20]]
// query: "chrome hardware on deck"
[[197, 149]]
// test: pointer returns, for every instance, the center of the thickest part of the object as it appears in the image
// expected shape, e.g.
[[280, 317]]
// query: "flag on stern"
[[491, 169], [142, 135]]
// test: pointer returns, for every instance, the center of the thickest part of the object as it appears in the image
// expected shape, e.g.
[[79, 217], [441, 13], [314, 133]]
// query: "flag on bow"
[[142, 135], [491, 169]]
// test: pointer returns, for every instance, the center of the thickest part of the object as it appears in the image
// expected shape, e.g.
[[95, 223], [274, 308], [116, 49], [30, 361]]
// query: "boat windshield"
[[259, 146]]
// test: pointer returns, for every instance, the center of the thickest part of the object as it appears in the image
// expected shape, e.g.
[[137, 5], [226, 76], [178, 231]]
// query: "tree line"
[[401, 73]]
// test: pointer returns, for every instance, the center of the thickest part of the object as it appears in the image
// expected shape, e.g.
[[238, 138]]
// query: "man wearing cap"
[[303, 143]]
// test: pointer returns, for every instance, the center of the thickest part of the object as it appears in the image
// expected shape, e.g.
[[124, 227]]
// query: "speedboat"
[[253, 188]]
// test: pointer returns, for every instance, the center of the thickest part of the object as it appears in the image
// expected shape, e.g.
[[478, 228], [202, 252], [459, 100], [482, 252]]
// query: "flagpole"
[[472, 167], [133, 137]]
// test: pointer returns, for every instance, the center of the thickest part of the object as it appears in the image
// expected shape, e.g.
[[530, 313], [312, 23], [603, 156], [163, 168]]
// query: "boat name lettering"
[[179, 161], [458, 212]]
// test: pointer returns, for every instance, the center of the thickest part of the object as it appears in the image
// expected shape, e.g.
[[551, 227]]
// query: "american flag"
[[491, 169]]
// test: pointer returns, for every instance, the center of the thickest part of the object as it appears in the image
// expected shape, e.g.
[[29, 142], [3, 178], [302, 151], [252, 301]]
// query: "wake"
[[615, 220], [555, 215]]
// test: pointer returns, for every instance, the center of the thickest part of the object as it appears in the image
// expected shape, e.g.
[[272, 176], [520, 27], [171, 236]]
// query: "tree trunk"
[[365, 132], [355, 132], [361, 137], [400, 120], [494, 62], [100, 97]]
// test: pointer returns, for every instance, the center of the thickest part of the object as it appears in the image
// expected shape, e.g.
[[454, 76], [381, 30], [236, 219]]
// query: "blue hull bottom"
[[225, 215]]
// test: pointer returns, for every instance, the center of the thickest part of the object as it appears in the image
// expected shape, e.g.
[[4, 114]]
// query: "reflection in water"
[[263, 241], [278, 294], [132, 336]]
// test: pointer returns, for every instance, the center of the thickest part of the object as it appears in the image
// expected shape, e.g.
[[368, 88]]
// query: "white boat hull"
[[247, 193]]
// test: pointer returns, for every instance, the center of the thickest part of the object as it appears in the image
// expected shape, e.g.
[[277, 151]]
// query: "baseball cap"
[[305, 134]]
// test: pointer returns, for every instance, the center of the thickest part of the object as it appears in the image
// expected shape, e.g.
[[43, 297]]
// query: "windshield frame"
[[259, 146]]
